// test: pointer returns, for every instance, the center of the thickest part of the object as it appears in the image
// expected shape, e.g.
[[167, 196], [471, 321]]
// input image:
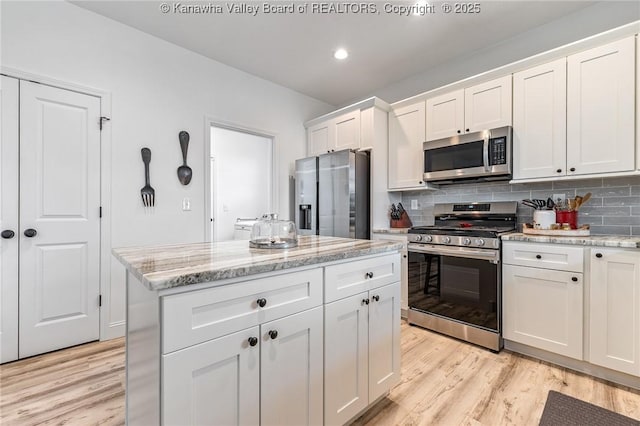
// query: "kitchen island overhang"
[[275, 317]]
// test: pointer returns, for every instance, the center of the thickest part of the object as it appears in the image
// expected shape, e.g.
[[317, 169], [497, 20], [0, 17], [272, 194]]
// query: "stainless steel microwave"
[[478, 156]]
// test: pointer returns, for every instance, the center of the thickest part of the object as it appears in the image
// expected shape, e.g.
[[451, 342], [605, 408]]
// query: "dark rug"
[[563, 410]]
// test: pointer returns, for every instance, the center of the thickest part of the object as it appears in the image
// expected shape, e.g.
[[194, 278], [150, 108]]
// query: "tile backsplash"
[[614, 207]]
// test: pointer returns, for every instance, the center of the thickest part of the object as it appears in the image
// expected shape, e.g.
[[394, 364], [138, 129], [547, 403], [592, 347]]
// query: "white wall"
[[158, 89], [242, 179], [592, 20]]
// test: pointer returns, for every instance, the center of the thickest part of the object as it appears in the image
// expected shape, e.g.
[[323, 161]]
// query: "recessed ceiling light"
[[340, 54]]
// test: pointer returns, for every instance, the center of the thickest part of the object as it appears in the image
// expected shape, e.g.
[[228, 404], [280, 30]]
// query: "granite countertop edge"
[[161, 280], [622, 241]]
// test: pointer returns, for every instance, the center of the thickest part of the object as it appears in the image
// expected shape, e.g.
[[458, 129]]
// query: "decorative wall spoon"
[[184, 172]]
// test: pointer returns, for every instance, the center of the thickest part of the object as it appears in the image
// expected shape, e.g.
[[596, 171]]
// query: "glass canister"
[[271, 233]]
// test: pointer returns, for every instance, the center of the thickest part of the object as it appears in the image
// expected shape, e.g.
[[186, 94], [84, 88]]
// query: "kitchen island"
[[220, 333]]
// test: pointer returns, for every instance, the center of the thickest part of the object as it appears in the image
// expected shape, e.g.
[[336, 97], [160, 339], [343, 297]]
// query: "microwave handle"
[[485, 151]]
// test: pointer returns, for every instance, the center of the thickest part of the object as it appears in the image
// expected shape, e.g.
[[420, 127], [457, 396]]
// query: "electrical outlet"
[[414, 204], [186, 204], [559, 197]]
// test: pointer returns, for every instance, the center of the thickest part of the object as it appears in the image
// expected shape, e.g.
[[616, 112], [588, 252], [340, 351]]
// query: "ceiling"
[[295, 49]]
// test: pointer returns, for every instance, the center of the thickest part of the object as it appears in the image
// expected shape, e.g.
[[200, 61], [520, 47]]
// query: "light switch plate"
[[560, 197], [414, 204], [186, 204]]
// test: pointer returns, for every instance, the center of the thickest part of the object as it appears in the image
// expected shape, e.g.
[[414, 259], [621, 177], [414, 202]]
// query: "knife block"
[[403, 222]]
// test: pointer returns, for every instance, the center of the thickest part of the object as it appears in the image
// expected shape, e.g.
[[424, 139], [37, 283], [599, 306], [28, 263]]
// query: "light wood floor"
[[444, 382]]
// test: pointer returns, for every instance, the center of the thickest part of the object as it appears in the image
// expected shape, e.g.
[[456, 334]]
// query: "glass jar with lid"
[[269, 233]]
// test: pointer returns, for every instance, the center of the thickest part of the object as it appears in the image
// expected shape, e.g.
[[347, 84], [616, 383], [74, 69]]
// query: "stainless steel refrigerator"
[[332, 195]]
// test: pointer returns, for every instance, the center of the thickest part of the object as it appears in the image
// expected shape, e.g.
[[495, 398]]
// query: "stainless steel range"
[[454, 271]]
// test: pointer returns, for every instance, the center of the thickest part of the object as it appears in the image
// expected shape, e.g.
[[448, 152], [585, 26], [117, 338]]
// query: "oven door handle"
[[488, 255]]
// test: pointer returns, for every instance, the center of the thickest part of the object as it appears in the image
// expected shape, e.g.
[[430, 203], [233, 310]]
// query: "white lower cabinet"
[[215, 383], [268, 351], [582, 303], [291, 370], [362, 351], [268, 375], [543, 308], [614, 317]]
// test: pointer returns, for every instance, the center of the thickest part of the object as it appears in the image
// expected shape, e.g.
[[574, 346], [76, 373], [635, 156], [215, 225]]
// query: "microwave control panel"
[[498, 151]]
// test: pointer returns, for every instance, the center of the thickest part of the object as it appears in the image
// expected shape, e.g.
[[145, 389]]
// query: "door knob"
[[273, 334], [8, 234], [253, 341], [262, 302], [30, 233]]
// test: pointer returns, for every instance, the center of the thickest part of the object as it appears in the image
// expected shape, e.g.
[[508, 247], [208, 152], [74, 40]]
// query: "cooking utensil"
[[147, 192], [530, 203], [586, 198], [394, 212], [400, 210], [184, 172], [540, 203], [550, 203]]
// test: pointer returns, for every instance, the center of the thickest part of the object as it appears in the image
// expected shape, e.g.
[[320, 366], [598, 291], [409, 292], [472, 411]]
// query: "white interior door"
[[59, 200], [8, 219]]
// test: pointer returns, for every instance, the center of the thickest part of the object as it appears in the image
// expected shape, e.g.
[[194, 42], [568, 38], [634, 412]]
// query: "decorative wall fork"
[[147, 192]]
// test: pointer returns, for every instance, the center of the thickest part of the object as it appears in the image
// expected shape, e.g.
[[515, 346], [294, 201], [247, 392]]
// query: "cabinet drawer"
[[351, 278], [198, 316], [545, 256]]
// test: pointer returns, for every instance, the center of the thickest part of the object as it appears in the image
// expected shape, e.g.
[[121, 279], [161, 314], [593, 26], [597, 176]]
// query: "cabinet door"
[[384, 339], [488, 105], [213, 383], [346, 358], [614, 314], [601, 109], [445, 115], [406, 136], [540, 121], [543, 309], [9, 219], [318, 139], [347, 131], [291, 366]]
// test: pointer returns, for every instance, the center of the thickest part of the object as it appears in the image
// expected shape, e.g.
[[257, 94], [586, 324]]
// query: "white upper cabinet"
[[539, 121], [318, 139], [335, 134], [406, 136], [601, 109], [615, 309], [488, 105], [347, 131], [445, 115], [484, 106]]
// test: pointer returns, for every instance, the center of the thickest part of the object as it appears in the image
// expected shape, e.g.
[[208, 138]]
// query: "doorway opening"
[[240, 181]]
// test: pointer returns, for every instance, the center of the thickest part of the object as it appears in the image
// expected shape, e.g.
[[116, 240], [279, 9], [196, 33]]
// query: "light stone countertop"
[[390, 230], [162, 267], [622, 241]]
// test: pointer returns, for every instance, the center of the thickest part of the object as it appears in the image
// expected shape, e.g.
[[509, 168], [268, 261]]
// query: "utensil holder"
[[567, 216], [543, 219], [403, 222]]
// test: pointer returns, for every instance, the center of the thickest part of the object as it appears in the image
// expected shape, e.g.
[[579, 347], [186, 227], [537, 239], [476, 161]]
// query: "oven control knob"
[[446, 240], [418, 238], [428, 238], [480, 242], [466, 241]]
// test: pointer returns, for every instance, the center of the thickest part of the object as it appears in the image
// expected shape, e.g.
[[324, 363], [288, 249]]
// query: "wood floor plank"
[[444, 382]]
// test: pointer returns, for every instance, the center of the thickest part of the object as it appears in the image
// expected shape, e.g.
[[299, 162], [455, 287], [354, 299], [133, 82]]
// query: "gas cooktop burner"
[[473, 231], [468, 224]]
